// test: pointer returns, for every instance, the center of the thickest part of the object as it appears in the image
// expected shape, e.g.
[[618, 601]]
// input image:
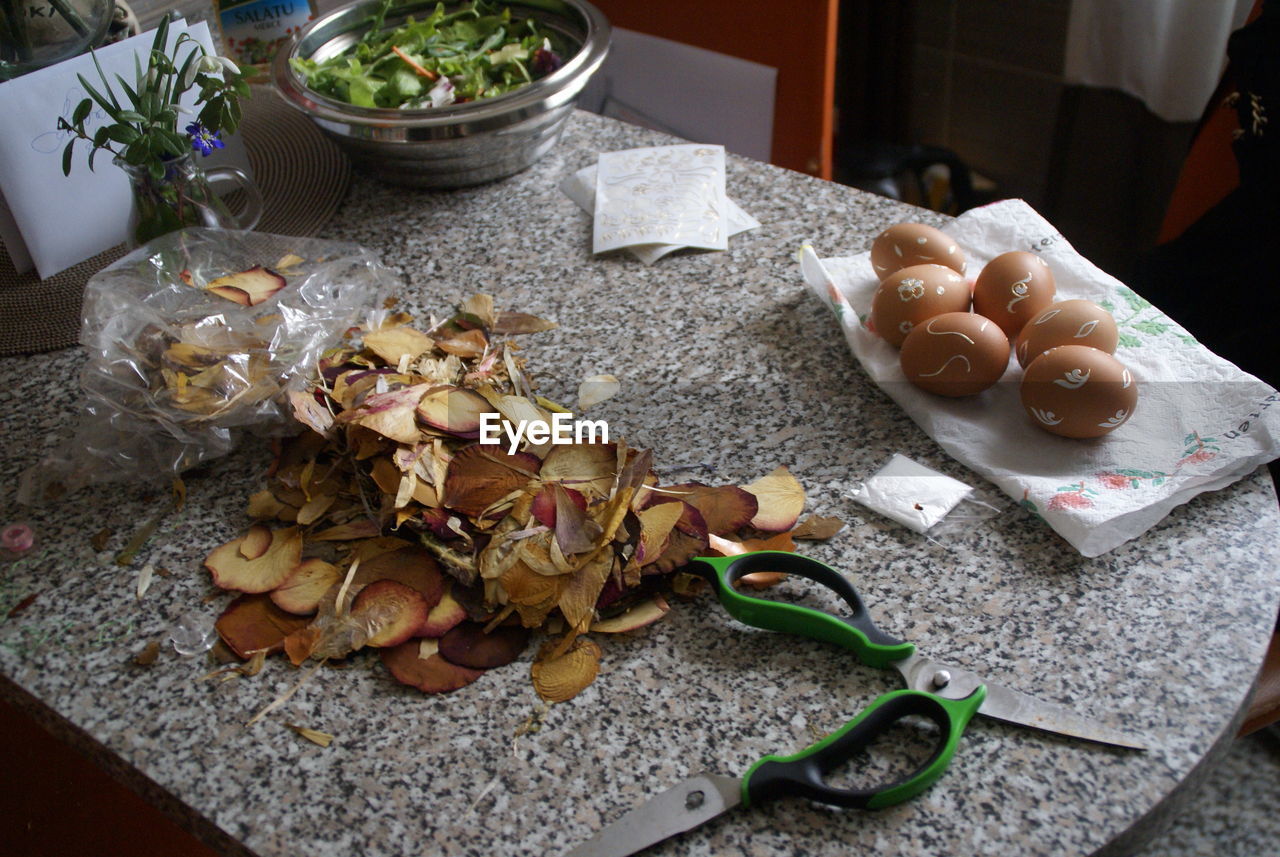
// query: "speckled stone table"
[[728, 366]]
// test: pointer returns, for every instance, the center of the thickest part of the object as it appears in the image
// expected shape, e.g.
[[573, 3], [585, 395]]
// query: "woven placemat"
[[302, 175]]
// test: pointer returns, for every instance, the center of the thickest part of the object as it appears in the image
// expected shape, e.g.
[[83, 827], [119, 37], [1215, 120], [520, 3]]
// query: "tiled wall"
[[987, 75]]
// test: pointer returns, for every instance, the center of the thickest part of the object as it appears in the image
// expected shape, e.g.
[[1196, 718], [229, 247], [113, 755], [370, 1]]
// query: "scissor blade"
[[682, 807], [1011, 706]]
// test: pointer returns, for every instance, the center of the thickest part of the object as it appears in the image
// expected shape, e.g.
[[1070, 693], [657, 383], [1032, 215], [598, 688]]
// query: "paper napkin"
[[1200, 423], [581, 188]]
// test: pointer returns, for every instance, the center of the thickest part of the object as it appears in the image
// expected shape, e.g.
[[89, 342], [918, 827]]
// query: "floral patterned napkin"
[[1200, 423]]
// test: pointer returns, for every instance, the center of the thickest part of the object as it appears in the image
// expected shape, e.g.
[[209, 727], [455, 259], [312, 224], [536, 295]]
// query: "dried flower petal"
[[324, 739], [817, 528], [393, 344], [562, 678], [781, 500], [264, 572], [596, 389], [252, 623], [247, 288]]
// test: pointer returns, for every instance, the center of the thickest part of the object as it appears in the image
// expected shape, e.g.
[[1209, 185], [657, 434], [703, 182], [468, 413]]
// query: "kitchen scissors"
[[946, 695]]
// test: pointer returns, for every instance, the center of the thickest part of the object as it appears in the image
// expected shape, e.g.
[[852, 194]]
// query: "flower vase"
[[183, 196]]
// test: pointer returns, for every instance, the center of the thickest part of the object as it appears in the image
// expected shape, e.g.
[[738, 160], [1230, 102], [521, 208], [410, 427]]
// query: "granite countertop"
[[730, 366]]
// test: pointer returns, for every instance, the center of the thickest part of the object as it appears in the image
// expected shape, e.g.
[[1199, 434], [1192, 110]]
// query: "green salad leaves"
[[476, 52]]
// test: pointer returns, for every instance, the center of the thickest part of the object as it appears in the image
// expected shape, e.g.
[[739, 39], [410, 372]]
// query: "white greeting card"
[[66, 219]]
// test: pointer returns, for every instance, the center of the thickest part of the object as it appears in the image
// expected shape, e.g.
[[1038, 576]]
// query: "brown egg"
[[1078, 391], [955, 354], [1012, 289], [905, 244], [1074, 322], [907, 297]]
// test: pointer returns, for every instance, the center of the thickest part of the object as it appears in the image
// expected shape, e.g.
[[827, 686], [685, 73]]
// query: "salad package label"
[[253, 29], [661, 195]]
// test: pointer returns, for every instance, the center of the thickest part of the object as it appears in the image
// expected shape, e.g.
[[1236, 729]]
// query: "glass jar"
[[184, 197]]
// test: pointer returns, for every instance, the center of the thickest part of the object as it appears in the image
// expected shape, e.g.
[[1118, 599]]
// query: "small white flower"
[[228, 65]]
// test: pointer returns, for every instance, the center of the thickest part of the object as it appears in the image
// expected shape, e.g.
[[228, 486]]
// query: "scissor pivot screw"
[[941, 678], [694, 799]]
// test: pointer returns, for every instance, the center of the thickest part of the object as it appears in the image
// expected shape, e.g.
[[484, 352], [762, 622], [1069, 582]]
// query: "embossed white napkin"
[[581, 188], [661, 195], [1200, 423]]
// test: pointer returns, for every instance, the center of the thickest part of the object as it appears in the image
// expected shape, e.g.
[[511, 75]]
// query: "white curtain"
[[1169, 54]]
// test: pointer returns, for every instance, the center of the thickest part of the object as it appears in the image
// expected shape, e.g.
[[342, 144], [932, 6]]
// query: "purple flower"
[[545, 61], [203, 140]]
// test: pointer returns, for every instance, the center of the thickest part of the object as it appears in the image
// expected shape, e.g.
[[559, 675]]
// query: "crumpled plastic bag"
[[178, 372]]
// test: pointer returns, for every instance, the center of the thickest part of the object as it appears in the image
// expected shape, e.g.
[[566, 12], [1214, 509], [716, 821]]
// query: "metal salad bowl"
[[460, 144]]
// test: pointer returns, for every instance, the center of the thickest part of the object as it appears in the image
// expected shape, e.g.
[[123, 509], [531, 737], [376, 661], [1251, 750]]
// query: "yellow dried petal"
[[324, 739], [392, 344], [563, 678]]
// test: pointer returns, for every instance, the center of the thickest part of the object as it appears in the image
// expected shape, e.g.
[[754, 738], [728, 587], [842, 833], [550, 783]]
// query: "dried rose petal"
[[416, 664], [252, 623], [480, 476], [781, 499], [248, 288], [455, 410], [563, 678], [467, 645], [302, 590], [725, 508], [645, 613], [266, 571], [393, 612]]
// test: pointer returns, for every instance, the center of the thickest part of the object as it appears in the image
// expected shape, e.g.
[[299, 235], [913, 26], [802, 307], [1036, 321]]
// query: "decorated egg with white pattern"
[[955, 354], [1073, 322], [1012, 289], [1077, 391], [905, 244], [908, 297]]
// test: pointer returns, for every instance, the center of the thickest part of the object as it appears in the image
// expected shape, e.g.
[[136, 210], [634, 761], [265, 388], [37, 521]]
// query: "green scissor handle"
[[801, 774], [856, 632]]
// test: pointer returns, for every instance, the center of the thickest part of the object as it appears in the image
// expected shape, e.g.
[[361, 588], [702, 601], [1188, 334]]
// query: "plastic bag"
[[186, 354]]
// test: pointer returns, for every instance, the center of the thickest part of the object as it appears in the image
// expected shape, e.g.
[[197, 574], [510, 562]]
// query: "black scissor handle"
[[802, 774]]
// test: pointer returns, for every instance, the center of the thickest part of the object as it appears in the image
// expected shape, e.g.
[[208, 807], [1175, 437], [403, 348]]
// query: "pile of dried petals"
[[386, 524]]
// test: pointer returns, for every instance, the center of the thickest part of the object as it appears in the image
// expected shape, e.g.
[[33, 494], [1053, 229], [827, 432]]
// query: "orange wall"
[[798, 39]]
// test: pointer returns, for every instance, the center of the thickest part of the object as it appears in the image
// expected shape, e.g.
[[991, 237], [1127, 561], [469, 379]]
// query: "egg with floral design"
[[1077, 391], [905, 244], [1012, 289], [908, 297], [1073, 322]]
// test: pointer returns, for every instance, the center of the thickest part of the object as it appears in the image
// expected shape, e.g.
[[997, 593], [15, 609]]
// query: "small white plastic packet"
[[915, 496], [661, 195]]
